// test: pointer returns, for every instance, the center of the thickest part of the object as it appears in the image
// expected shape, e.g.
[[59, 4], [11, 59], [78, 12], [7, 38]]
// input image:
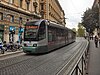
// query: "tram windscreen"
[[34, 31], [30, 32]]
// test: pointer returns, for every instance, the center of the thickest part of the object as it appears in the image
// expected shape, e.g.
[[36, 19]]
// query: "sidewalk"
[[94, 59], [7, 53]]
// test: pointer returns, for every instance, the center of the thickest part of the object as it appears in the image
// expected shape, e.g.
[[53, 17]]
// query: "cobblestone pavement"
[[48, 64], [94, 59]]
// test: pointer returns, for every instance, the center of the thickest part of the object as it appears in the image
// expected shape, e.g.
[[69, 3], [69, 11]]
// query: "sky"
[[74, 10]]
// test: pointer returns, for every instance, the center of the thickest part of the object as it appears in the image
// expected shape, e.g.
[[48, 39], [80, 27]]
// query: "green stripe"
[[38, 49]]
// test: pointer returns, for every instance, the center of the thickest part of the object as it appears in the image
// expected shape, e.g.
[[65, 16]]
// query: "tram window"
[[42, 31], [69, 35], [30, 33], [52, 34], [49, 36]]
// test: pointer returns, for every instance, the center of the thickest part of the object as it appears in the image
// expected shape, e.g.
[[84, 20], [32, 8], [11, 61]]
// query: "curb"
[[10, 53]]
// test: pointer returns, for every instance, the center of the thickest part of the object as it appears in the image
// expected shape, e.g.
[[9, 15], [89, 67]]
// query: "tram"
[[42, 36]]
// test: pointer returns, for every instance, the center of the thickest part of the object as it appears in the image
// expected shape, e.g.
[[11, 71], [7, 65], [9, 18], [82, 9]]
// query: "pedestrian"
[[96, 41]]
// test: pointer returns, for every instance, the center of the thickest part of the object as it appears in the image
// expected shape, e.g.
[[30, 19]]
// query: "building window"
[[42, 6], [20, 20], [27, 6], [20, 3], [27, 19], [11, 1], [1, 16], [27, 2], [10, 18]]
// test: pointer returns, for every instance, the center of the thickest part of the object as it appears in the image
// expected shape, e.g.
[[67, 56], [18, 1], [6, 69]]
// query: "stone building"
[[15, 13], [97, 29], [52, 10], [95, 3]]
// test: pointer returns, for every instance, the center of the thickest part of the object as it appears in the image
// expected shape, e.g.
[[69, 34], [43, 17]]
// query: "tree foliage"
[[81, 30], [90, 19], [74, 29]]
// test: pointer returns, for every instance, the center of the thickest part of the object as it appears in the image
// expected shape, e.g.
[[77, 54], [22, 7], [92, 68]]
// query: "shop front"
[[1, 32]]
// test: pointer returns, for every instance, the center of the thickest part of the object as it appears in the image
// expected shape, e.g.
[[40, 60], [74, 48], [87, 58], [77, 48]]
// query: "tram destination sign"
[[31, 27]]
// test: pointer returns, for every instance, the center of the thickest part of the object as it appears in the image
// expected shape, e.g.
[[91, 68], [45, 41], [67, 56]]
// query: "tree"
[[81, 30], [90, 19], [74, 29]]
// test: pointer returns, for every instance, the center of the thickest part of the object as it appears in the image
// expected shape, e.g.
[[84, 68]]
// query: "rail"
[[78, 63]]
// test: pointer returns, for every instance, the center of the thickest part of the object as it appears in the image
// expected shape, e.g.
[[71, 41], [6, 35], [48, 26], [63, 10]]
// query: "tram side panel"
[[74, 36], [52, 40], [71, 36], [66, 36], [56, 38]]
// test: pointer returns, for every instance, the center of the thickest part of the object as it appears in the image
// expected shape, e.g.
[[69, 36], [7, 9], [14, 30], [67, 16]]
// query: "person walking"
[[96, 41]]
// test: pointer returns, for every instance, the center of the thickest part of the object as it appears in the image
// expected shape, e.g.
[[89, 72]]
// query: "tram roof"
[[57, 25], [53, 24], [33, 21]]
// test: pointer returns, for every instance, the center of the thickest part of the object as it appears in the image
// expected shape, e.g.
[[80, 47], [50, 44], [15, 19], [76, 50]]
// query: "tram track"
[[73, 59], [53, 58], [67, 61], [23, 57], [42, 60], [50, 67]]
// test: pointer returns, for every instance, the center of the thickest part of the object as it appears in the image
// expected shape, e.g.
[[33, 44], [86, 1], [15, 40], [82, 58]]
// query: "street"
[[47, 64]]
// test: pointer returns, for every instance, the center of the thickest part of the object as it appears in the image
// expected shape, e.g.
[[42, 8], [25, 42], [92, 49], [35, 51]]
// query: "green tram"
[[42, 36]]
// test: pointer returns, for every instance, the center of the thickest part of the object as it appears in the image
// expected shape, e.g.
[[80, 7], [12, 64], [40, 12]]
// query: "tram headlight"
[[34, 45], [25, 44]]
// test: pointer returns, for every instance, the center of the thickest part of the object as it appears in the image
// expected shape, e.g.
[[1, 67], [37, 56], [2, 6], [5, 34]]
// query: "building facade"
[[95, 2], [97, 29], [52, 10], [15, 13]]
